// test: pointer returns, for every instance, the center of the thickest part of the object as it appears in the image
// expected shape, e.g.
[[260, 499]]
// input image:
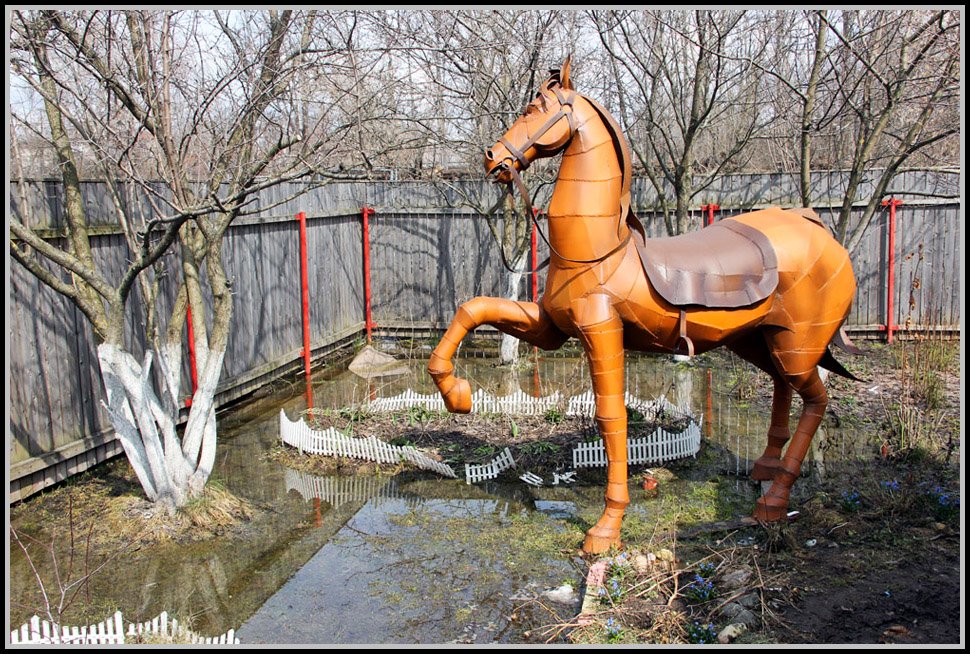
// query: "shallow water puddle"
[[385, 560], [418, 570]]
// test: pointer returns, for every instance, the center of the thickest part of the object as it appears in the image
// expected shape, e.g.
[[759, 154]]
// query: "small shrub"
[[700, 590], [850, 502], [941, 503], [553, 415], [614, 632], [701, 634]]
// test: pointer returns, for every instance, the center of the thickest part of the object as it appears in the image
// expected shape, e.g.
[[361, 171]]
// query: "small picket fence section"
[[331, 442], [111, 632], [520, 403], [657, 409], [658, 447], [490, 470]]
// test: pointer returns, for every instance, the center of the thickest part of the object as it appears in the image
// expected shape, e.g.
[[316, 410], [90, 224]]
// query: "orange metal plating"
[[784, 290]]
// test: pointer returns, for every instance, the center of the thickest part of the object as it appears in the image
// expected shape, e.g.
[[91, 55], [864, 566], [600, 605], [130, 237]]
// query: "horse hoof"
[[765, 510], [764, 469], [459, 397], [598, 541]]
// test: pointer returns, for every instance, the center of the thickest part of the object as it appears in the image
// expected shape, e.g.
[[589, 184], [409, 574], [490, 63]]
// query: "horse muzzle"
[[499, 167]]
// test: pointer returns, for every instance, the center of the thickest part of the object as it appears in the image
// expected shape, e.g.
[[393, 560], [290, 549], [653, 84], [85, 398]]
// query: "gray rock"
[[730, 632], [736, 578], [738, 614], [565, 594]]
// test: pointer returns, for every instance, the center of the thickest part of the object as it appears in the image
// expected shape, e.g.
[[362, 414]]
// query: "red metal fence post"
[[892, 203], [368, 324], [305, 293], [710, 209], [195, 378]]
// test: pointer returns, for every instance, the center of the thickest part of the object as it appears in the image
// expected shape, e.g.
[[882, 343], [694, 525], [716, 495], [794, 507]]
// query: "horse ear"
[[564, 74]]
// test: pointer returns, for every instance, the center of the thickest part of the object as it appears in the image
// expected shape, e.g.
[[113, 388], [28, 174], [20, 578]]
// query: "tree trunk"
[[509, 348]]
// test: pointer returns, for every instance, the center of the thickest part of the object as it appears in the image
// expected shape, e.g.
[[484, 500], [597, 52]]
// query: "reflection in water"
[[366, 560], [410, 569]]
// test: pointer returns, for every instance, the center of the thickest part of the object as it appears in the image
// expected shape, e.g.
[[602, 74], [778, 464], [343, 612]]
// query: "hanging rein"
[[518, 153]]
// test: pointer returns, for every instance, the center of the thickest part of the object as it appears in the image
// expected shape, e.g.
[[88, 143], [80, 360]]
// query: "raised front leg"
[[524, 320], [601, 332]]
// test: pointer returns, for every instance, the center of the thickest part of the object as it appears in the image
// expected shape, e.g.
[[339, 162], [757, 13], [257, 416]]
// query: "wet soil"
[[870, 558]]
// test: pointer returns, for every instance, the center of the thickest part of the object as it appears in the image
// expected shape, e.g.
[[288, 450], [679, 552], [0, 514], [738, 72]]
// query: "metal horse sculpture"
[[771, 285]]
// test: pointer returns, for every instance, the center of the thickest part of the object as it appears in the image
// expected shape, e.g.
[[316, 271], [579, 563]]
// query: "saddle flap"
[[725, 265]]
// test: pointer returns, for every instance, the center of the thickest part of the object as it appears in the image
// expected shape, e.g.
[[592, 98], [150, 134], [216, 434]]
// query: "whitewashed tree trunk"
[[171, 470], [509, 347]]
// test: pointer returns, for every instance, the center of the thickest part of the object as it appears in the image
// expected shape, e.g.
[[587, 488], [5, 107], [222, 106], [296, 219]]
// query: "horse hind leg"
[[755, 351], [774, 504]]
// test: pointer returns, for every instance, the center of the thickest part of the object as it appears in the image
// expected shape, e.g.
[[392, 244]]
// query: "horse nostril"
[[489, 155]]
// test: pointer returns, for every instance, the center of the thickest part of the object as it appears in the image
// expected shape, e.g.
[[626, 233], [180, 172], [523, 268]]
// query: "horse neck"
[[585, 205]]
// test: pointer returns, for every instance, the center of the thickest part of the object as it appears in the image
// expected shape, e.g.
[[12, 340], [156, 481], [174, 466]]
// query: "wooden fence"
[[428, 254]]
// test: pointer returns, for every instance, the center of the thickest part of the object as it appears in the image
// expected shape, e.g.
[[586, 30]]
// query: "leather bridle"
[[519, 155], [564, 101]]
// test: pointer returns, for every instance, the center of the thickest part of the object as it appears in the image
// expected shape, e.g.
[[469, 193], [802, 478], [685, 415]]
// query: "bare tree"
[[202, 102], [899, 74], [470, 75], [687, 95], [866, 92]]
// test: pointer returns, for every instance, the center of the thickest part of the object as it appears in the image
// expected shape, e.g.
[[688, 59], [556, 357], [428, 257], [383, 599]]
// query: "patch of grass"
[[915, 416], [216, 508], [540, 447], [553, 415]]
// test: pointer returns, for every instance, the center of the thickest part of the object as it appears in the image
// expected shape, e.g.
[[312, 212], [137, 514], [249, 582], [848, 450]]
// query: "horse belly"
[[657, 328]]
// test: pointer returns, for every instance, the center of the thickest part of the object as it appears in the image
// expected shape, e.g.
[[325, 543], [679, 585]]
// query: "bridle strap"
[[528, 201], [519, 154], [501, 250], [564, 101]]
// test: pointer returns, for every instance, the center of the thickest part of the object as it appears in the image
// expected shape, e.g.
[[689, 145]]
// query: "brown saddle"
[[725, 265]]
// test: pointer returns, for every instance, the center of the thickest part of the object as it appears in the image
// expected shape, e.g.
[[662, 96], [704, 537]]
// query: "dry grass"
[[216, 509], [108, 508]]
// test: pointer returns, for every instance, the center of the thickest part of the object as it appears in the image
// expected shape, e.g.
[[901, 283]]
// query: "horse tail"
[[830, 363], [843, 341]]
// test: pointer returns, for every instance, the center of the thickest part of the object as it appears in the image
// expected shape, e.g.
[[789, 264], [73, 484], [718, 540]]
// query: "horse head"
[[543, 130]]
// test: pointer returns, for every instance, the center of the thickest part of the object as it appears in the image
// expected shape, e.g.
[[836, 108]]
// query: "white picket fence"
[[337, 491], [331, 442], [520, 403], [111, 632], [658, 447], [490, 470]]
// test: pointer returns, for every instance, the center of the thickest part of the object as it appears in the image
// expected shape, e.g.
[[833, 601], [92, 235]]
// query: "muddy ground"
[[874, 555]]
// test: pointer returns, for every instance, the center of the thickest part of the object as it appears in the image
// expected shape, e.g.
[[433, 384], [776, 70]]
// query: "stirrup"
[[684, 338]]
